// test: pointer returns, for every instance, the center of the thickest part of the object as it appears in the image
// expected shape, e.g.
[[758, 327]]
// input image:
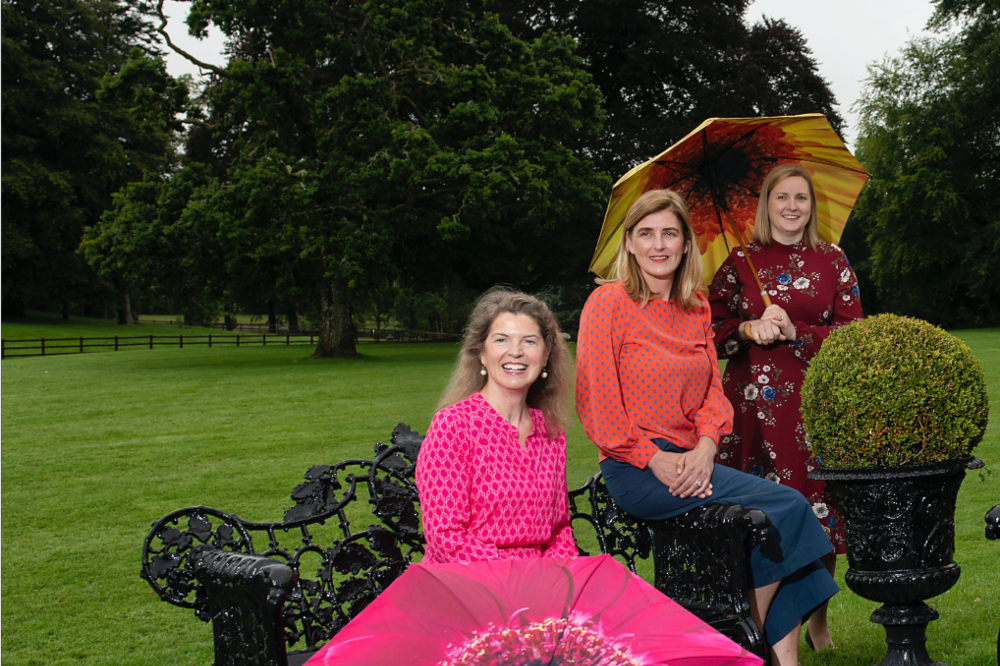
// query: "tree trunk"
[[293, 319], [65, 308], [336, 329], [272, 317], [124, 307]]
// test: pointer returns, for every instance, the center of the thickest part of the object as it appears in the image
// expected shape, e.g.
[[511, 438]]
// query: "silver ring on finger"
[[697, 484]]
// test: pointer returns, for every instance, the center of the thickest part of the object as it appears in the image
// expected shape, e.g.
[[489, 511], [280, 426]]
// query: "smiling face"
[[789, 207], [514, 352], [658, 245]]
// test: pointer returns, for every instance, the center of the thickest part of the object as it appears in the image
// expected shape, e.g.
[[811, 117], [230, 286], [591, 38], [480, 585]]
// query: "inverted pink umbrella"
[[587, 611]]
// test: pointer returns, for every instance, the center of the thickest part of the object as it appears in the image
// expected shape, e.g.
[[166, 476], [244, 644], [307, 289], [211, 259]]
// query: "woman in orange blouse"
[[649, 395]]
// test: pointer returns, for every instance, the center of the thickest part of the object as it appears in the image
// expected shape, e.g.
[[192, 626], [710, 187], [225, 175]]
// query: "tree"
[[84, 113], [930, 136], [370, 137], [664, 67]]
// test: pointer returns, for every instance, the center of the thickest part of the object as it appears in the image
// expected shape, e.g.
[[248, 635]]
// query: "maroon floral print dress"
[[819, 291]]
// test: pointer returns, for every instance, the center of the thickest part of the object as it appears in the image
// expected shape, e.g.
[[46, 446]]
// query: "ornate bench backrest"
[[335, 576]]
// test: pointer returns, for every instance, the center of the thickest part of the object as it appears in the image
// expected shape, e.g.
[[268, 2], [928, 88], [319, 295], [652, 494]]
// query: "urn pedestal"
[[899, 523]]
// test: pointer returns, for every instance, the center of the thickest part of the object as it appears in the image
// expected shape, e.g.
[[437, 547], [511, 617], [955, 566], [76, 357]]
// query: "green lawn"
[[97, 446]]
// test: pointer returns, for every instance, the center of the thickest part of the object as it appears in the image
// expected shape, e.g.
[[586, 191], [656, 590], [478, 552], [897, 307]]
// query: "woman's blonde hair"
[[762, 225], [548, 395], [687, 278]]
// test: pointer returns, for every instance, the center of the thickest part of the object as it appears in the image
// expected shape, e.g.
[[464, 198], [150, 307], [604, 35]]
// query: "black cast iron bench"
[[275, 592]]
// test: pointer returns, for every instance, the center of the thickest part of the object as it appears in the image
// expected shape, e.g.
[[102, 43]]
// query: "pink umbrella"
[[588, 610]]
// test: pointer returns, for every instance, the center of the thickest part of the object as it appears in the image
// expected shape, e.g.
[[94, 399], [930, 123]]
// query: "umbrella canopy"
[[719, 168], [588, 610]]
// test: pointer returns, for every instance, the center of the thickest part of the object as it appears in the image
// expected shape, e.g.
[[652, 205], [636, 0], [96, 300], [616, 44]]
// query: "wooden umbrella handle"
[[746, 255]]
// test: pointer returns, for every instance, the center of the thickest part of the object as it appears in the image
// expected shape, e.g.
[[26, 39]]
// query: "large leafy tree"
[[663, 67], [364, 141], [930, 136], [87, 108]]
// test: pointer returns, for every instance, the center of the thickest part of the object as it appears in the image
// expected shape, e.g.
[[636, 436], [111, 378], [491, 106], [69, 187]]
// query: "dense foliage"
[[930, 136], [87, 108], [890, 390], [368, 141], [664, 67], [354, 161]]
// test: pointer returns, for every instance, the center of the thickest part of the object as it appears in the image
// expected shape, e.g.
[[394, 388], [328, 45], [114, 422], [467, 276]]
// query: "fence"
[[56, 346]]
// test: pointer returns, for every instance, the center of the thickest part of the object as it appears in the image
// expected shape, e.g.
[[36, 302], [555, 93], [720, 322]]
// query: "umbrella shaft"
[[746, 255]]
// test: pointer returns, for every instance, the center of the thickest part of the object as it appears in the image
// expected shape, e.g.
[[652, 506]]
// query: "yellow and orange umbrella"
[[719, 168]]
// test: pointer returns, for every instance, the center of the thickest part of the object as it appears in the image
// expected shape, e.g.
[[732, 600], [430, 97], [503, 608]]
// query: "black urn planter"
[[899, 523]]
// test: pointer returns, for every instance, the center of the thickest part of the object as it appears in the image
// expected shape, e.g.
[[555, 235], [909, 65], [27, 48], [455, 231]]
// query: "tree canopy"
[[930, 136], [369, 140], [664, 67], [85, 111], [369, 156]]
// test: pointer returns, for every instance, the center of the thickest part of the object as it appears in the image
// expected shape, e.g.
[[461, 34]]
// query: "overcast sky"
[[844, 35]]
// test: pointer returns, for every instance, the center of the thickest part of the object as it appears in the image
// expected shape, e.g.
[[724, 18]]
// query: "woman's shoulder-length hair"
[[548, 395], [688, 280]]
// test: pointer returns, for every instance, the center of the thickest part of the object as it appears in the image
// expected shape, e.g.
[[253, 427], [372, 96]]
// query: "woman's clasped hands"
[[687, 474], [774, 325]]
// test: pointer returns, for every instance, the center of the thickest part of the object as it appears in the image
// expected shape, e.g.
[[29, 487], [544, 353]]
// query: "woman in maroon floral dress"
[[813, 291]]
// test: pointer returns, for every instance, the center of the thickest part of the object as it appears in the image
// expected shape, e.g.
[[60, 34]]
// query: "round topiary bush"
[[890, 390]]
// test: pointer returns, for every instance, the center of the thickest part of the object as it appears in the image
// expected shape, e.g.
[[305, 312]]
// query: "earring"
[[545, 372], [483, 371]]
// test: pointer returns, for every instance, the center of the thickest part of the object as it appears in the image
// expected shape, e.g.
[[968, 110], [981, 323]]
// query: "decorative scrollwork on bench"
[[169, 543], [618, 534]]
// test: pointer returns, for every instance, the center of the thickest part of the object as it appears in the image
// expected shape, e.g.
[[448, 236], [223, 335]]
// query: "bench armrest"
[[243, 594], [993, 523]]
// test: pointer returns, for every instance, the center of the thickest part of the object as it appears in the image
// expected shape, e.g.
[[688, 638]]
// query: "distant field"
[[63, 336], [97, 446], [44, 325]]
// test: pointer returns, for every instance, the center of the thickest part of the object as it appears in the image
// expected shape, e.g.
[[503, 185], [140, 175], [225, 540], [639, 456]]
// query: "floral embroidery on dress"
[[789, 277], [821, 510]]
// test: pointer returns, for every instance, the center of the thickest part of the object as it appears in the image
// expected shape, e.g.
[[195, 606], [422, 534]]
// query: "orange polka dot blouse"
[[647, 371], [483, 497]]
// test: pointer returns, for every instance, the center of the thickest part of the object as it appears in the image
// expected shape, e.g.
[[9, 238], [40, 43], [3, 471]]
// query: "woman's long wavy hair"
[[548, 395], [687, 278], [762, 225]]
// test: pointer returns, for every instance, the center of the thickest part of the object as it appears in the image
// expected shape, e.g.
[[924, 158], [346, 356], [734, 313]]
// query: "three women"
[[491, 471]]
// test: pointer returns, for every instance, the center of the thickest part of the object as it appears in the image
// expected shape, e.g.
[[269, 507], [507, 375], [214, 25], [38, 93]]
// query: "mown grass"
[[97, 446]]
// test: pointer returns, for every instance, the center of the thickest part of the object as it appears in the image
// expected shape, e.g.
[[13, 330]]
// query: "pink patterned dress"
[[483, 496], [819, 291]]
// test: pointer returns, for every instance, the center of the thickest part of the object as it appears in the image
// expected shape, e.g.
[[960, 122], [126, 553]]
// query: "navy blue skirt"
[[791, 554]]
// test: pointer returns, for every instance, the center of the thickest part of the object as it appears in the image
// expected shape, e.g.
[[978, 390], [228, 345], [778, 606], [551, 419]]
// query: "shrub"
[[890, 390]]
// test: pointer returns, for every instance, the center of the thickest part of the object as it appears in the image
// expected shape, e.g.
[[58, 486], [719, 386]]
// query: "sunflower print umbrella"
[[719, 168]]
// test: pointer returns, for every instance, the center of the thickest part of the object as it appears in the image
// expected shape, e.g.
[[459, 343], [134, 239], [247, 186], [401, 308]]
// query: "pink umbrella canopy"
[[586, 611]]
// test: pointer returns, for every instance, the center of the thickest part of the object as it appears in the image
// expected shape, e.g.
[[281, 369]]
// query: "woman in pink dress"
[[813, 291], [491, 472]]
